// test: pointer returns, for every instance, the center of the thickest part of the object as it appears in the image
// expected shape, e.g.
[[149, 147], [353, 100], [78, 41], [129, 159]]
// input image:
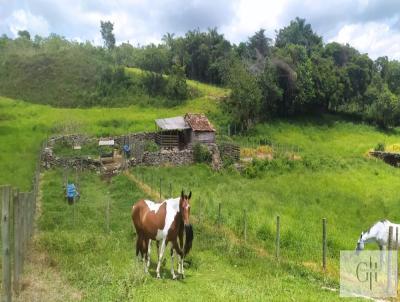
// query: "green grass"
[[23, 126], [102, 264], [334, 179]]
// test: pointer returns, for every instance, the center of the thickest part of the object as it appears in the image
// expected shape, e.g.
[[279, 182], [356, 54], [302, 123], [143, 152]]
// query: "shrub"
[[380, 147], [151, 146], [201, 154]]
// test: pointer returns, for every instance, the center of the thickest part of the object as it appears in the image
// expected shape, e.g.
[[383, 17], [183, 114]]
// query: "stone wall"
[[49, 160], [70, 139], [388, 157], [159, 158], [166, 157]]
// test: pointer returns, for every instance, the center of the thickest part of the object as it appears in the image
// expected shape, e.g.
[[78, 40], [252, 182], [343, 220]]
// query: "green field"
[[333, 179]]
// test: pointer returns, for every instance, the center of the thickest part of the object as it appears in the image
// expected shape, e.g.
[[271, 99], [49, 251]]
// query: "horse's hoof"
[[174, 277], [158, 277]]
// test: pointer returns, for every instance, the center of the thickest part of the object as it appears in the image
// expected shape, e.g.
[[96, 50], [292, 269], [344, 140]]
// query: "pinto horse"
[[164, 222]]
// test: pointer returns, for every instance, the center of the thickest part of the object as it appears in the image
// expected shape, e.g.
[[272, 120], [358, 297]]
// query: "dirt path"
[[41, 281]]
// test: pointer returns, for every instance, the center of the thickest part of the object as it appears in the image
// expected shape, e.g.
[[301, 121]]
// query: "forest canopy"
[[291, 74]]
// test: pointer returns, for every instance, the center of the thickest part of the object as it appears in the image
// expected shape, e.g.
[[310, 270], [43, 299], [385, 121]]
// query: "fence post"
[[108, 216], [160, 187], [389, 262], [324, 243], [397, 249], [22, 202], [5, 237], [278, 236], [219, 214], [17, 234], [245, 226]]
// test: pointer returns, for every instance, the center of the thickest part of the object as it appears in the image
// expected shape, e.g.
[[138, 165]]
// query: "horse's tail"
[[188, 239]]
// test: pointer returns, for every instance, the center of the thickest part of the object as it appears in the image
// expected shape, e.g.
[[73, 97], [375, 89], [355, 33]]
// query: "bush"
[[380, 147], [201, 154], [151, 146]]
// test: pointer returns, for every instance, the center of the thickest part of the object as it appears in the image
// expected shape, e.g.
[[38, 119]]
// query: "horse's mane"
[[189, 239]]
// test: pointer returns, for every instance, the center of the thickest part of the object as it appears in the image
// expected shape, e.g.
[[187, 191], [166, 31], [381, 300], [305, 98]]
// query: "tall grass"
[[103, 266]]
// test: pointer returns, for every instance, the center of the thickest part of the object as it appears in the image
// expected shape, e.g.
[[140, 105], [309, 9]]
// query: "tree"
[[24, 34], [176, 88], [393, 76], [244, 103], [106, 29], [168, 39], [328, 88], [385, 110], [270, 91], [298, 32], [259, 43], [341, 54]]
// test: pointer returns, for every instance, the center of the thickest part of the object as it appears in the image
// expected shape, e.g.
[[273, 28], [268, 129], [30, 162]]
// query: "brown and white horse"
[[164, 222]]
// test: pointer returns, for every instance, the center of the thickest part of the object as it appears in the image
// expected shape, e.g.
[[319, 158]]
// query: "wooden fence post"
[[397, 250], [389, 262], [278, 236], [245, 226], [324, 243], [5, 237], [219, 214], [22, 202], [17, 234], [108, 216], [160, 187], [390, 238]]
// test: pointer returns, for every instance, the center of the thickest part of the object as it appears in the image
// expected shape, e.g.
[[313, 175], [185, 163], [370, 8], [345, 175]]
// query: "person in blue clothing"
[[127, 151], [71, 193]]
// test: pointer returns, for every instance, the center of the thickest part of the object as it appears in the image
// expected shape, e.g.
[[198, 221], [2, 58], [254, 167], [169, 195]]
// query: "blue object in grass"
[[127, 148], [71, 190]]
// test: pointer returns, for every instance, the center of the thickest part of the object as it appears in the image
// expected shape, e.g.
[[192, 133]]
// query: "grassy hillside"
[[80, 76], [333, 179], [64, 78], [102, 264], [23, 126]]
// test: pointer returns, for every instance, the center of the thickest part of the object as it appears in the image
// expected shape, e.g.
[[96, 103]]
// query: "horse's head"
[[360, 244], [184, 207]]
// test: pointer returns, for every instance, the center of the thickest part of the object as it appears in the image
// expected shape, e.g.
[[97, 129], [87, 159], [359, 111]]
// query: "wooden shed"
[[202, 131], [179, 131], [172, 132]]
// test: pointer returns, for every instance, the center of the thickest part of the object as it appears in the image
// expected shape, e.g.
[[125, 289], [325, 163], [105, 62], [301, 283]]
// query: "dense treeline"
[[294, 74]]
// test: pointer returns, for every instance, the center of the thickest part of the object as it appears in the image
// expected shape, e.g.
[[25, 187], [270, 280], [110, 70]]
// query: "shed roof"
[[199, 122], [172, 123]]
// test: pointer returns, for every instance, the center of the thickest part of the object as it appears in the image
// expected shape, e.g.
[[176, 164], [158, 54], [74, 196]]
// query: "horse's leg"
[[381, 254], [145, 242], [160, 257], [172, 264], [180, 253], [149, 254]]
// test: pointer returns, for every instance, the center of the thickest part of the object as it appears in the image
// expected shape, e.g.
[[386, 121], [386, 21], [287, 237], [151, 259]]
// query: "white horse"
[[379, 233]]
